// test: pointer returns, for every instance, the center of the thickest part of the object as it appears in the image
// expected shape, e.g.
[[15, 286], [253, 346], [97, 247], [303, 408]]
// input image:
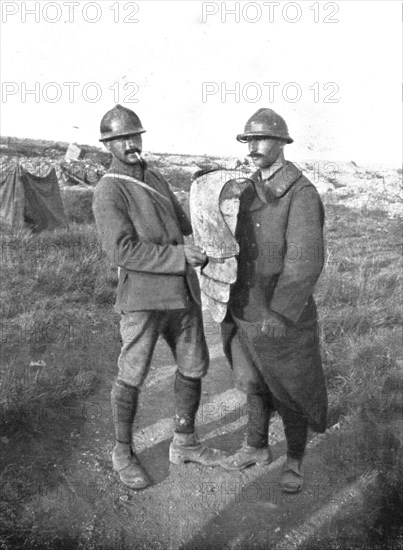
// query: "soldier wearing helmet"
[[142, 227], [270, 333]]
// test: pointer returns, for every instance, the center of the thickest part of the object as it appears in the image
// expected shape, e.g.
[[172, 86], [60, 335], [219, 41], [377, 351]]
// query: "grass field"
[[56, 318], [58, 329]]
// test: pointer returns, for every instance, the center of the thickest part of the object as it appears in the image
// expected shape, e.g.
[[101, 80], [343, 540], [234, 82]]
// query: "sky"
[[196, 71]]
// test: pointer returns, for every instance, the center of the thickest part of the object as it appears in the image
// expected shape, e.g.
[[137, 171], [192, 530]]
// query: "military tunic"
[[142, 233], [142, 230]]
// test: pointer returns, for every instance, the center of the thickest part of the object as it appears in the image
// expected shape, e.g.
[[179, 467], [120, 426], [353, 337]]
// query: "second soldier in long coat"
[[270, 334]]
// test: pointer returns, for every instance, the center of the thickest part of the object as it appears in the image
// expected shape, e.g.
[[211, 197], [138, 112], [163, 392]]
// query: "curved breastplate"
[[214, 205]]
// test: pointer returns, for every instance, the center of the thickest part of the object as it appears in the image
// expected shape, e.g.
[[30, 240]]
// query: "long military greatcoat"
[[280, 233]]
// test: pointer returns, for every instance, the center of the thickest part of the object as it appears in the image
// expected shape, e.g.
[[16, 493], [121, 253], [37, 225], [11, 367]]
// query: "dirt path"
[[76, 501]]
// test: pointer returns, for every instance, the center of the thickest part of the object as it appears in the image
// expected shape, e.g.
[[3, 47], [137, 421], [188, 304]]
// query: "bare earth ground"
[[73, 499], [77, 501], [59, 490]]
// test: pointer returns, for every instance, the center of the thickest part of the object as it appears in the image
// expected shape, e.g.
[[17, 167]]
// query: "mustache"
[[255, 155], [133, 151]]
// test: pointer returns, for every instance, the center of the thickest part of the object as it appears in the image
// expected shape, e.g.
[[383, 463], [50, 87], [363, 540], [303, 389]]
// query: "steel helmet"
[[120, 122], [265, 123]]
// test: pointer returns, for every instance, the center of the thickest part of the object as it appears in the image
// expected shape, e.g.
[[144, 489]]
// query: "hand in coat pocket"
[[274, 326]]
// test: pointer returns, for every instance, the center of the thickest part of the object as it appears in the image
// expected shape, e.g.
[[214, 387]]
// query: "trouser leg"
[[139, 331], [259, 410], [256, 448], [248, 379], [124, 400], [296, 433], [183, 331]]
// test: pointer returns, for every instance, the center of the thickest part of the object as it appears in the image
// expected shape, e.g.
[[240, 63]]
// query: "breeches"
[[183, 331]]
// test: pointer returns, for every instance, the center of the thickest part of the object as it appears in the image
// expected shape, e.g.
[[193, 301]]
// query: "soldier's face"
[[264, 151], [125, 148]]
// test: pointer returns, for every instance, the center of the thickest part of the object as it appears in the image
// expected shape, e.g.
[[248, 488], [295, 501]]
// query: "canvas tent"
[[31, 201]]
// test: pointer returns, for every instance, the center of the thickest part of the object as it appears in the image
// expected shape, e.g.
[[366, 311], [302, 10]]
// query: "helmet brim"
[[113, 135], [243, 138]]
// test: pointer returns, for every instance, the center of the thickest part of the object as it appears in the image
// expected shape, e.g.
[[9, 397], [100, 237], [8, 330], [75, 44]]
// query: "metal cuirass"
[[214, 205]]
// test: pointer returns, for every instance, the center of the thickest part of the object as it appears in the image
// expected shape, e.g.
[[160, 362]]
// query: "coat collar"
[[276, 185], [134, 171]]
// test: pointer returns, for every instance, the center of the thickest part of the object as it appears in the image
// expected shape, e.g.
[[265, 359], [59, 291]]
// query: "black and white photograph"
[[201, 212]]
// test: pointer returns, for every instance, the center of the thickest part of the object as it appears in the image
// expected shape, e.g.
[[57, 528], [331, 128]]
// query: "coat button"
[[258, 225], [253, 245]]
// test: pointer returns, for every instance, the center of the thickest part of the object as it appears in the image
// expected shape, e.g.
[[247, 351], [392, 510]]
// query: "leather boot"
[[292, 477], [187, 448], [247, 456], [127, 465]]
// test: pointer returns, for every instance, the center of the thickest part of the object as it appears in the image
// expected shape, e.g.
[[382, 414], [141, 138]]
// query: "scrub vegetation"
[[56, 316], [58, 328]]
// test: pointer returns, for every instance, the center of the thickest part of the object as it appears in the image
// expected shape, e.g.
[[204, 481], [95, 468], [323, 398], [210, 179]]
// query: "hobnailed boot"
[[127, 465], [187, 448], [247, 456]]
